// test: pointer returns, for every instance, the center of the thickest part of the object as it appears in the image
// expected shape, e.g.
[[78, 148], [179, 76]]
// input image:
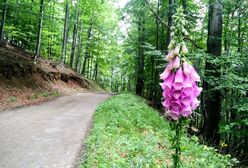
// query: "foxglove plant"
[[180, 90]]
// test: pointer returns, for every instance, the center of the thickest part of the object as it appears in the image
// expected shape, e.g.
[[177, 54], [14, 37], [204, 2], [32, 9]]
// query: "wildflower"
[[180, 90]]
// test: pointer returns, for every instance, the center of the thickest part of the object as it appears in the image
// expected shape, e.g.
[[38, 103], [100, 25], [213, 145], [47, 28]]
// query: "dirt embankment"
[[23, 81]]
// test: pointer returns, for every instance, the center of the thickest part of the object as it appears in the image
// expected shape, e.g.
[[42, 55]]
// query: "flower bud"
[[184, 50], [176, 63], [171, 44], [176, 51], [169, 57], [185, 32]]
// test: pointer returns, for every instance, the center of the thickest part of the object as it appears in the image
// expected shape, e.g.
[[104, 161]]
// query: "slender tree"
[[63, 52], [37, 50], [4, 10], [74, 39]]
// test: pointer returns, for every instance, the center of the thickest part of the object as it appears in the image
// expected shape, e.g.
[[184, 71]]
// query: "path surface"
[[47, 135]]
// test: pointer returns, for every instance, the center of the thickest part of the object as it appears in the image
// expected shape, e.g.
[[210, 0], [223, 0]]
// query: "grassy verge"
[[128, 133]]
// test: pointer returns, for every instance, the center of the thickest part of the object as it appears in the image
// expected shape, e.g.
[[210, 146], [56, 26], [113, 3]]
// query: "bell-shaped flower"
[[186, 100], [176, 94], [166, 72], [176, 63], [166, 104], [187, 86], [186, 68], [175, 105], [197, 90], [193, 74], [178, 82], [167, 84], [169, 57], [186, 111], [195, 103], [173, 114]]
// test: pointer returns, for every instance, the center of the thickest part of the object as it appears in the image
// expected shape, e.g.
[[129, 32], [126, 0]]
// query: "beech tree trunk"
[[140, 79], [37, 50], [170, 13], [213, 100], [73, 46], [62, 59], [239, 31], [87, 52], [3, 22]]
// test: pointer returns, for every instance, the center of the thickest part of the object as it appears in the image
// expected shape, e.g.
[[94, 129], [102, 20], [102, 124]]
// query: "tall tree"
[[4, 10], [74, 39], [63, 53], [37, 50], [170, 13], [213, 103], [140, 52]]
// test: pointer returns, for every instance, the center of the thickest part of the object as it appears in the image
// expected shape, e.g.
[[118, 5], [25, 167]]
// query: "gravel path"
[[47, 135]]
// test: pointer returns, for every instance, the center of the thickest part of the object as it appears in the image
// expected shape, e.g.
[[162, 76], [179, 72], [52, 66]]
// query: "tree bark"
[[213, 101], [170, 13], [73, 46], [37, 51], [62, 58], [239, 31], [3, 22], [140, 80], [87, 52]]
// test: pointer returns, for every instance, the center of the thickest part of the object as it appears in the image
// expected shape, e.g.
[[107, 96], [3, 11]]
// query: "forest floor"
[[25, 82], [48, 135]]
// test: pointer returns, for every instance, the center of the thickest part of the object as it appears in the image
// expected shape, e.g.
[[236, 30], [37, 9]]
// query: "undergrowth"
[[128, 133]]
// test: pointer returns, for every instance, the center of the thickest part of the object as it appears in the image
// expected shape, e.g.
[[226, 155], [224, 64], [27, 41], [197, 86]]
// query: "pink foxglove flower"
[[180, 90], [169, 57], [178, 82], [166, 72], [186, 68], [176, 63], [193, 74]]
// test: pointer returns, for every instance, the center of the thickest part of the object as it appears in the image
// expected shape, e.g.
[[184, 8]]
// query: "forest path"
[[47, 135]]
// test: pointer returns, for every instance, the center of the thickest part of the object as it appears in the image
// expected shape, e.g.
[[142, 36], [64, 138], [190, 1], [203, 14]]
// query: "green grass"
[[128, 133]]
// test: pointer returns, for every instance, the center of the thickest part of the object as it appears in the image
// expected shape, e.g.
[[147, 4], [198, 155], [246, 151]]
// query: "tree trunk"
[[79, 48], [239, 31], [140, 80], [3, 22], [87, 47], [95, 70], [213, 101], [37, 51], [170, 13], [62, 59], [73, 46]]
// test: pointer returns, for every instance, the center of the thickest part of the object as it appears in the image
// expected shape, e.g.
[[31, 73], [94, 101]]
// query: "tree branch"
[[161, 20], [193, 42], [157, 16]]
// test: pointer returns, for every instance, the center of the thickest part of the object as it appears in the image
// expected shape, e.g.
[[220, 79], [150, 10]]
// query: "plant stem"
[[176, 156]]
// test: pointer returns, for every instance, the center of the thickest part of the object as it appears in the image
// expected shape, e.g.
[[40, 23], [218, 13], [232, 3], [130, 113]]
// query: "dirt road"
[[48, 135]]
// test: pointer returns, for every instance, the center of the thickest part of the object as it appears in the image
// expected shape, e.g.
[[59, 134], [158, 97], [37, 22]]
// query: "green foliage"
[[128, 133]]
